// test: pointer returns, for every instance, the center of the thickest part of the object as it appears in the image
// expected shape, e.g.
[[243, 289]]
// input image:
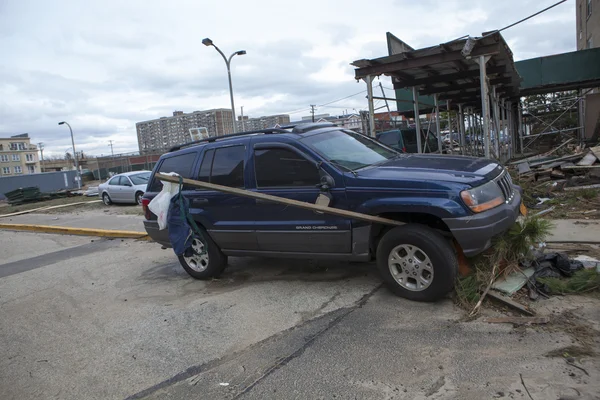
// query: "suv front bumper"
[[475, 232]]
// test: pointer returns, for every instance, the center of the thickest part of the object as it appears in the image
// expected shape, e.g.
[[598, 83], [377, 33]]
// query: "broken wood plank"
[[565, 158], [589, 159], [280, 200], [543, 179], [518, 320], [573, 188], [557, 174], [523, 168], [596, 152], [510, 303]]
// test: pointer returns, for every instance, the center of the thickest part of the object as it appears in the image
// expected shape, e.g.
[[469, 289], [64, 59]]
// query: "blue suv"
[[447, 204]]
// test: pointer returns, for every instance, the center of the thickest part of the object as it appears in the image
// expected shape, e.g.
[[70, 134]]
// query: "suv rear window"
[[181, 164]]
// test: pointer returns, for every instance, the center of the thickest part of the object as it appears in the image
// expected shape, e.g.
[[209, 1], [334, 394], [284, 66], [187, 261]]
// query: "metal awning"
[[450, 69]]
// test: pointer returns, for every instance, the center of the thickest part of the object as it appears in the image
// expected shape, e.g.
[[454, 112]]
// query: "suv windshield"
[[140, 179], [349, 149]]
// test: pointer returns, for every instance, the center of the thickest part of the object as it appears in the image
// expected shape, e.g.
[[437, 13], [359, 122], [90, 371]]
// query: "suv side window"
[[278, 167], [228, 166], [181, 164]]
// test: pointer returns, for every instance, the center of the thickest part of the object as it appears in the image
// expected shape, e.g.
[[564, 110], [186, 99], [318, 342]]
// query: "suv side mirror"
[[326, 183]]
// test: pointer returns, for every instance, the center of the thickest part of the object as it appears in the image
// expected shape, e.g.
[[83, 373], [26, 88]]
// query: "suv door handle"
[[199, 202]]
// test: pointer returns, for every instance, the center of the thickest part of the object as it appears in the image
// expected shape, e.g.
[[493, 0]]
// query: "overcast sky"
[[105, 65]]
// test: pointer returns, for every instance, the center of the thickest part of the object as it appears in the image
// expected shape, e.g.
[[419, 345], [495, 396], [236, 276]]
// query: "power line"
[[343, 98], [531, 16]]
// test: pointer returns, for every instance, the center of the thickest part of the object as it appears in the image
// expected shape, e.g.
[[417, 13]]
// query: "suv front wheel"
[[417, 263], [205, 260]]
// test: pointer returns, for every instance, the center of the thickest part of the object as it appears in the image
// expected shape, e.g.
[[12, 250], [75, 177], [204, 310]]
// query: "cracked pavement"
[[121, 319]]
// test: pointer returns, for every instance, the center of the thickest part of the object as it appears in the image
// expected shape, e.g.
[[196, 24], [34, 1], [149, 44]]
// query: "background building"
[[18, 156], [269, 121], [159, 135], [588, 24]]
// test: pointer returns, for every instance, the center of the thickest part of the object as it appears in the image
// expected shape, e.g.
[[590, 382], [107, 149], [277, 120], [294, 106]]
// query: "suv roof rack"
[[231, 135], [309, 126]]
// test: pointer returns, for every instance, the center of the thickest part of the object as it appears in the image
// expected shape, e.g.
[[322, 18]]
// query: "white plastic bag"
[[160, 204]]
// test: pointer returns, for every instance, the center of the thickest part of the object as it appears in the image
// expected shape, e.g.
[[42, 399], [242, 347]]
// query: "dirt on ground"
[[92, 203]]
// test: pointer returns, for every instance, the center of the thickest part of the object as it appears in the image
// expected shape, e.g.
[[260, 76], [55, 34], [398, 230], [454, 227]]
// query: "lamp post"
[[74, 153], [208, 42]]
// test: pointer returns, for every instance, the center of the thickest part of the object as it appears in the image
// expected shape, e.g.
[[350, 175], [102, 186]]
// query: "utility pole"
[[243, 125], [312, 112], [41, 147], [111, 148]]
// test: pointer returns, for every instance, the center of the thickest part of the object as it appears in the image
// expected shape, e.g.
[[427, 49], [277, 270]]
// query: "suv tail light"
[[147, 212]]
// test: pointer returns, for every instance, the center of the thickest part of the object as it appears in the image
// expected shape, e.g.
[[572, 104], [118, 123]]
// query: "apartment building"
[[18, 156], [588, 24], [268, 121], [159, 135]]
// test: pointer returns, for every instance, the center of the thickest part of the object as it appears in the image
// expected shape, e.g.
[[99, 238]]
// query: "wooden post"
[[280, 200]]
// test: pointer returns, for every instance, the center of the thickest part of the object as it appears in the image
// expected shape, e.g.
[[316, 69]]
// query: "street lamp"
[[208, 42], [74, 153]]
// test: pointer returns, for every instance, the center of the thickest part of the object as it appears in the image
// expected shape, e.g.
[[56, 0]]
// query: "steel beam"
[[369, 81], [437, 122], [461, 128], [485, 110], [415, 93]]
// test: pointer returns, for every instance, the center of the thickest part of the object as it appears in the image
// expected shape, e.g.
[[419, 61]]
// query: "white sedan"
[[128, 187]]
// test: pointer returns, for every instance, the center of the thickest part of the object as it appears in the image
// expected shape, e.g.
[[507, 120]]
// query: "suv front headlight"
[[484, 197]]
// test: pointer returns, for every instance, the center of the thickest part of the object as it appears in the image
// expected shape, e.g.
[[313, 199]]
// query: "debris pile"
[[33, 194], [576, 169]]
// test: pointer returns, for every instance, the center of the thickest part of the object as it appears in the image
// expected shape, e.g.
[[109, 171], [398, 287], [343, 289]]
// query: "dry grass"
[[5, 208], [505, 253]]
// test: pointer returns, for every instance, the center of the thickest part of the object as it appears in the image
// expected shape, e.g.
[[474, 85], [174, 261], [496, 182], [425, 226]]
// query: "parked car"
[[405, 140], [439, 198], [128, 187]]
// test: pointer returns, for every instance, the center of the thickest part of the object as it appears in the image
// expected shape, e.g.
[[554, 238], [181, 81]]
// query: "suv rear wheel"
[[204, 266], [417, 263]]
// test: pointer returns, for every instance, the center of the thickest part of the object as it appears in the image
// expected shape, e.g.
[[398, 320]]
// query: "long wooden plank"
[[573, 188], [280, 200], [579, 166], [48, 208]]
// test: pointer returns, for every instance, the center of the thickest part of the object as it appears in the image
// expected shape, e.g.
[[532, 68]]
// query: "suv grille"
[[505, 182]]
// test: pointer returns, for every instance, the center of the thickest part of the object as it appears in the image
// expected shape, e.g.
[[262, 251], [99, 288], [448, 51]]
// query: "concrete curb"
[[65, 230]]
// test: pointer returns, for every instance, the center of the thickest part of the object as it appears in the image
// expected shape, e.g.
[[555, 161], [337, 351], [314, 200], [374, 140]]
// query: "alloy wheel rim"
[[198, 262], [410, 267]]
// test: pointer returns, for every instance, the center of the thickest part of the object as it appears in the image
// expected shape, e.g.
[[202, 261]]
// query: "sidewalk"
[[575, 231], [82, 220]]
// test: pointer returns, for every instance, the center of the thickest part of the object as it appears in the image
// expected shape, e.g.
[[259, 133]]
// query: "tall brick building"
[[159, 135]]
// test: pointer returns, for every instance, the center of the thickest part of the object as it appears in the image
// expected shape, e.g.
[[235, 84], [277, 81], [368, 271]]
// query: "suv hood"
[[427, 167]]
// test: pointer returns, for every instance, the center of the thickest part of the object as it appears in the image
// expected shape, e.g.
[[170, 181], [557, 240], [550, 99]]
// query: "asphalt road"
[[112, 319]]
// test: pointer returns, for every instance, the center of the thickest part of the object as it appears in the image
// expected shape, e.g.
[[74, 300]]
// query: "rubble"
[[578, 167]]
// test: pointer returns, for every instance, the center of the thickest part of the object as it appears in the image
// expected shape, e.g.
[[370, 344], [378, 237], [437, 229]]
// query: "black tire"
[[433, 263], [106, 199], [211, 267], [138, 198]]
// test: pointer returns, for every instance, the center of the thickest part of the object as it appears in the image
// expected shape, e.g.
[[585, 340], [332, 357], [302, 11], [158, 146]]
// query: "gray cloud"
[[105, 65]]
